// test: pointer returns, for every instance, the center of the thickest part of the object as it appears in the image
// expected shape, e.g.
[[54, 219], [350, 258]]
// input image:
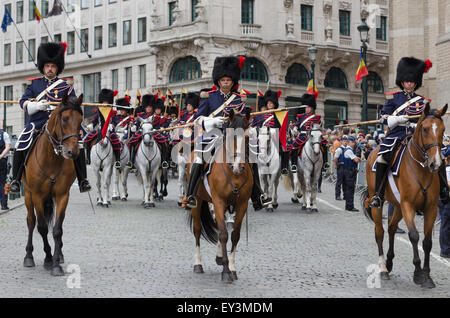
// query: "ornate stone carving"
[[154, 16], [345, 5], [364, 9], [176, 14], [288, 3], [327, 12], [290, 29], [154, 50], [200, 10]]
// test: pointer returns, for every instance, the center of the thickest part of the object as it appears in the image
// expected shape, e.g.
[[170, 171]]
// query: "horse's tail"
[[287, 181], [209, 227], [365, 204], [49, 211]]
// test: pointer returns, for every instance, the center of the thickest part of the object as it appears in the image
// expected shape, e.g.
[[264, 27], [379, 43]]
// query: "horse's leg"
[[43, 230], [408, 215], [377, 216], [235, 236], [116, 191], [107, 186], [219, 211], [61, 204], [314, 189], [197, 230], [392, 229], [31, 223], [125, 173], [308, 191], [99, 186], [429, 219]]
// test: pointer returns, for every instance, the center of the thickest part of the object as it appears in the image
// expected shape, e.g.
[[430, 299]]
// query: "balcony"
[[250, 30], [382, 46], [307, 36], [345, 41]]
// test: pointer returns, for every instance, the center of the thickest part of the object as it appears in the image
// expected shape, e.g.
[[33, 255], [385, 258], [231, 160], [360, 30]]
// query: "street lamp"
[[312, 50], [363, 29]]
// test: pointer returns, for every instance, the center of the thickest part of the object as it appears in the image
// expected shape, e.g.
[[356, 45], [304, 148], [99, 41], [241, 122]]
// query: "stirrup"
[[284, 171], [191, 202], [173, 164], [84, 186], [165, 165], [265, 202], [15, 187], [117, 164], [129, 165], [376, 202], [293, 168]]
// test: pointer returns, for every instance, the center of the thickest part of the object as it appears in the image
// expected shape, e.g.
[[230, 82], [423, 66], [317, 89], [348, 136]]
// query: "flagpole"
[[75, 29], [24, 42], [42, 18]]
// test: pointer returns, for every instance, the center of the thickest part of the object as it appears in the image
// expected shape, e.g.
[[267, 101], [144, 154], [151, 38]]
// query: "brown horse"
[[230, 187], [49, 173], [418, 185]]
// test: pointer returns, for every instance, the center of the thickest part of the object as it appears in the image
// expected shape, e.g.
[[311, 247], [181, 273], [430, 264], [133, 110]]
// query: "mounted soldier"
[[399, 105], [122, 119], [48, 88], [96, 123], [220, 102]]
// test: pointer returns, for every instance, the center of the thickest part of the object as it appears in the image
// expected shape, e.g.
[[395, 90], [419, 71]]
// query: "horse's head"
[[147, 131], [121, 133], [315, 137], [64, 126], [429, 136], [238, 123]]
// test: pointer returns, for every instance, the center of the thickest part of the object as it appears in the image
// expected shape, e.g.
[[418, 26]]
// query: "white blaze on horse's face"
[[147, 128], [316, 139]]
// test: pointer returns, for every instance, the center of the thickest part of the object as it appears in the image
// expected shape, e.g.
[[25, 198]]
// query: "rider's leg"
[[294, 160], [284, 162], [164, 154], [80, 169], [18, 167], [194, 181], [443, 193], [130, 163], [257, 195], [117, 158], [87, 148], [380, 184]]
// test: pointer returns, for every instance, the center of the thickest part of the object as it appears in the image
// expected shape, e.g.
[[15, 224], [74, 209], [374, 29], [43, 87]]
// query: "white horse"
[[148, 161], [290, 180], [122, 173], [102, 158], [310, 167], [269, 164]]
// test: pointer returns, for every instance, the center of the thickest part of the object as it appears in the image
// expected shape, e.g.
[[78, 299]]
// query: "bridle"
[[57, 143]]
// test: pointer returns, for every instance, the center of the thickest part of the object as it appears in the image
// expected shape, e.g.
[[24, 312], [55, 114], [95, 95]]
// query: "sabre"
[[57, 103]]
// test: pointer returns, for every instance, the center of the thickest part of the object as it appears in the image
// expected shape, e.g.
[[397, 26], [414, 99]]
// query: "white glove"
[[394, 121], [111, 127], [133, 128], [34, 107], [90, 127], [211, 123]]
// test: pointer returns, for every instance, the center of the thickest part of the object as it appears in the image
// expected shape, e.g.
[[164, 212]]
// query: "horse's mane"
[[72, 103]]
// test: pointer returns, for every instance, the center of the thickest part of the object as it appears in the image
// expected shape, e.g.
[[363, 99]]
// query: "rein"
[[57, 143]]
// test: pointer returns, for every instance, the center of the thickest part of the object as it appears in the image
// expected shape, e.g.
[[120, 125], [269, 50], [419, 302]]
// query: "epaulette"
[[31, 79], [69, 80], [428, 99], [390, 95], [204, 94]]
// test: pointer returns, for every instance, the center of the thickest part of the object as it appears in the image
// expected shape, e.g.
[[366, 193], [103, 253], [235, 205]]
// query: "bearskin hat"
[[261, 102], [125, 101], [51, 53], [227, 66], [410, 69], [148, 100], [106, 95], [308, 99], [193, 99], [159, 104], [272, 96], [173, 110]]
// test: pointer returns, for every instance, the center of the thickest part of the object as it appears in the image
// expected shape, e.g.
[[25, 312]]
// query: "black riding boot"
[[257, 195], [80, 169], [117, 157], [88, 153], [164, 155], [380, 185], [443, 190], [294, 160], [284, 162], [18, 167], [325, 164], [130, 164], [194, 181]]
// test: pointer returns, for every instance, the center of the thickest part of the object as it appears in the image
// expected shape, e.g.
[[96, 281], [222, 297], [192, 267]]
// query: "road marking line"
[[329, 204], [437, 257]]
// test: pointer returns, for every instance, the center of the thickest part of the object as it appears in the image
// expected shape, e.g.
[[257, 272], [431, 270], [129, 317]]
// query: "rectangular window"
[[58, 37], [306, 17], [71, 5], [44, 39], [171, 8], [92, 84], [112, 35], [84, 4], [126, 32], [115, 79], [381, 28], [247, 12], [9, 7], [70, 42], [142, 29], [112, 1], [8, 93], [128, 78], [98, 37], [32, 48], [19, 12], [344, 22], [98, 3], [44, 8], [142, 76], [31, 12], [19, 52], [84, 40], [193, 13]]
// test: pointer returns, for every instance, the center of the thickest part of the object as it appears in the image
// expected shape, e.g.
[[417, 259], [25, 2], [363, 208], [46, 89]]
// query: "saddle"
[[398, 151]]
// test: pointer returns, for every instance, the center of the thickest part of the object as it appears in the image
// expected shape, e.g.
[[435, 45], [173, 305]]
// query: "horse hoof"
[[419, 277], [61, 259], [151, 204], [105, 205], [384, 276], [143, 202], [164, 194], [28, 262], [234, 275], [179, 203], [389, 265], [308, 210], [314, 210], [294, 200], [115, 198], [428, 283], [269, 209], [219, 260], [124, 199], [146, 205], [303, 207], [198, 269], [226, 278], [275, 206], [57, 271], [108, 202], [99, 204], [48, 264]]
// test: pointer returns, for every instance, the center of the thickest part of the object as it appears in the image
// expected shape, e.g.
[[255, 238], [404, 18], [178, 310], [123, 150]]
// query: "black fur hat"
[[193, 99], [227, 66], [272, 96], [410, 69], [51, 53], [308, 99], [148, 100], [173, 110], [159, 104], [106, 95], [123, 102]]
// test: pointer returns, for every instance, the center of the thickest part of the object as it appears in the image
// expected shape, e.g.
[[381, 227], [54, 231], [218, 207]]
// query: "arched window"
[[254, 70], [336, 78], [297, 75], [185, 69], [374, 83]]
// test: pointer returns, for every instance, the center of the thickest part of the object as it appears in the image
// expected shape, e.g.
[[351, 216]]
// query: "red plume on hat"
[[64, 44], [115, 93], [127, 98], [279, 93], [428, 65], [241, 61]]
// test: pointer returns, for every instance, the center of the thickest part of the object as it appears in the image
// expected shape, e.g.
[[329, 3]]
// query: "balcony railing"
[[250, 29]]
